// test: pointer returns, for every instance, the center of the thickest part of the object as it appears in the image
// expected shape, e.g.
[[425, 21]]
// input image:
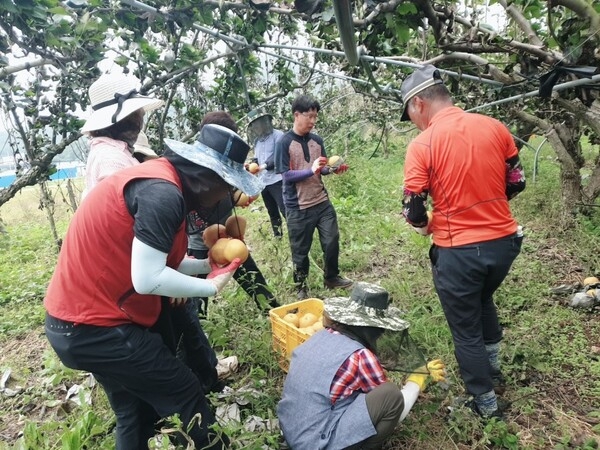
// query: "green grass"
[[552, 367]]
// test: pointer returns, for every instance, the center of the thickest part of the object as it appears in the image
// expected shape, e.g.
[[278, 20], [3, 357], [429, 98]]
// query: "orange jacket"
[[92, 281]]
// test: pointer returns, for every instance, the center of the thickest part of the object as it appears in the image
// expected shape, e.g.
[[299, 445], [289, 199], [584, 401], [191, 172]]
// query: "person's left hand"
[[341, 169], [220, 276]]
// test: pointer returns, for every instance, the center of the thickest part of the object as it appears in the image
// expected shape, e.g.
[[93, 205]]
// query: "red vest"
[[92, 281]]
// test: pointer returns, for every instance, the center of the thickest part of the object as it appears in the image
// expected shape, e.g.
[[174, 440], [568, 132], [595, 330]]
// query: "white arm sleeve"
[[410, 391], [151, 275], [193, 266]]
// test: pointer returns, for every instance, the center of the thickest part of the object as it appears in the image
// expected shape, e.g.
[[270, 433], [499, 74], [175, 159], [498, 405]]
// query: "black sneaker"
[[337, 282], [302, 293], [498, 413], [469, 402]]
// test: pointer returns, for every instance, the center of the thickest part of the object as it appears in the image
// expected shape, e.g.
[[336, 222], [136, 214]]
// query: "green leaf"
[[406, 8]]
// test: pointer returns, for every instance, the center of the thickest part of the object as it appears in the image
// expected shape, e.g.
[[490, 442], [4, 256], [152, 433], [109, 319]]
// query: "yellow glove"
[[436, 369]]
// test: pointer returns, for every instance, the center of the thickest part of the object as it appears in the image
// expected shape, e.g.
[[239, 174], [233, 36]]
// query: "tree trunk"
[[72, 196], [565, 145], [47, 203], [570, 178]]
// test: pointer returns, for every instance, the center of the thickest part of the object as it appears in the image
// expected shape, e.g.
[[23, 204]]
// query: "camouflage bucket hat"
[[367, 306]]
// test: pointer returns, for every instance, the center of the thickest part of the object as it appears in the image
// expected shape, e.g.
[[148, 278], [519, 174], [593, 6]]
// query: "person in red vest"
[[124, 249]]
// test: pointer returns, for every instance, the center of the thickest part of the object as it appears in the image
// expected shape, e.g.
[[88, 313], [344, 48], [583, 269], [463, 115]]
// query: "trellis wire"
[[244, 44]]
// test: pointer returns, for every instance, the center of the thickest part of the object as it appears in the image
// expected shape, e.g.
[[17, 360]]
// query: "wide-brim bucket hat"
[[113, 97], [416, 82], [224, 152], [367, 306]]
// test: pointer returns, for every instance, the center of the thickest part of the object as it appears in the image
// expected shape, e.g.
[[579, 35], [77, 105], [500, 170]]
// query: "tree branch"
[[590, 116], [565, 158], [521, 22], [585, 11], [6, 71], [37, 170], [496, 73]]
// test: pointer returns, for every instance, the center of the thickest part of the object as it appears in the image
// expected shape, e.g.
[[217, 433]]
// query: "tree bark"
[[559, 137]]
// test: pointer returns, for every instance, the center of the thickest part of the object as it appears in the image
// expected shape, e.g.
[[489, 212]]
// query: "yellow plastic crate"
[[286, 337]]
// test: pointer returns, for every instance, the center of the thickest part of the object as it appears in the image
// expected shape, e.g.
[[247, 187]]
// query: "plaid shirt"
[[360, 372]]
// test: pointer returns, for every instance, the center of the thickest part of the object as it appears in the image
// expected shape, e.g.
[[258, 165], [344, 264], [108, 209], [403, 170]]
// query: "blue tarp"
[[61, 174]]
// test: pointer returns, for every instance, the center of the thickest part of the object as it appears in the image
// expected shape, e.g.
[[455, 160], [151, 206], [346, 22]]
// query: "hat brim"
[[102, 118], [420, 88], [143, 150], [259, 117], [405, 117], [231, 171], [343, 310]]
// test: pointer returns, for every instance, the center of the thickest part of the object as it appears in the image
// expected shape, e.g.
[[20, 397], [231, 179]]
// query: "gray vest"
[[306, 416]]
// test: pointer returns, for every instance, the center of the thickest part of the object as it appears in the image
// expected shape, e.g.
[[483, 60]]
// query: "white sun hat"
[[113, 97], [142, 146]]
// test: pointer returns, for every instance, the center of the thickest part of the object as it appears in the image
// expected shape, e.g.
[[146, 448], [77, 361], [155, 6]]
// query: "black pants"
[[142, 379], [192, 343], [249, 277], [301, 225], [465, 279], [273, 199]]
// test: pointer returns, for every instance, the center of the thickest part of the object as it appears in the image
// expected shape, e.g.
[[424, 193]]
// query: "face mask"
[[367, 336], [202, 188]]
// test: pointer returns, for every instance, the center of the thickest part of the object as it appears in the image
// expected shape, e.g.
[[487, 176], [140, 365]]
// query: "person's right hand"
[[177, 301], [426, 230], [319, 163], [220, 276]]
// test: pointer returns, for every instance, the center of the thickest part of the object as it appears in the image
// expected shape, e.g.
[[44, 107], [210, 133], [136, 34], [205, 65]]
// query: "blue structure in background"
[[7, 178]]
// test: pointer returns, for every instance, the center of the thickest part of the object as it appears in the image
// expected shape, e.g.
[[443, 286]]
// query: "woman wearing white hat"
[[114, 125], [124, 249]]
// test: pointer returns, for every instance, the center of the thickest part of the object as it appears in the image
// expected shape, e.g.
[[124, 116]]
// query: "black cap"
[[416, 82]]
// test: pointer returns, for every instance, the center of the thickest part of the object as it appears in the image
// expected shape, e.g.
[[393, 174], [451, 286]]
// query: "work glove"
[[220, 276], [436, 370], [341, 169], [319, 164]]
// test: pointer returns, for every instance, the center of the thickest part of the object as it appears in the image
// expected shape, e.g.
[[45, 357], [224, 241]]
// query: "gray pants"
[[385, 404]]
